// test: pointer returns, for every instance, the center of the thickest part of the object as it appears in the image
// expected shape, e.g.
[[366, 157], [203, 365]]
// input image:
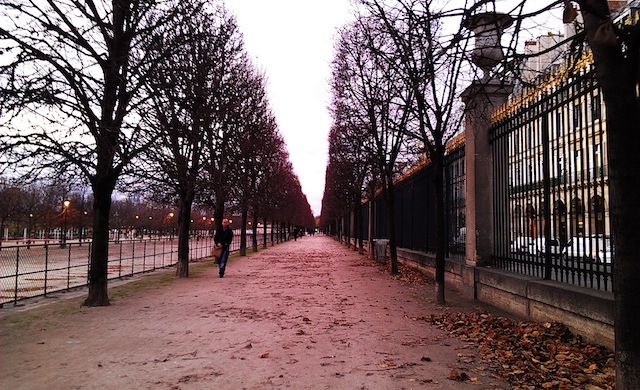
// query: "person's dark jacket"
[[224, 237]]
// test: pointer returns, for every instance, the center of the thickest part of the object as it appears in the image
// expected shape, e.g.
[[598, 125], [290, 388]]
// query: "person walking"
[[223, 239]]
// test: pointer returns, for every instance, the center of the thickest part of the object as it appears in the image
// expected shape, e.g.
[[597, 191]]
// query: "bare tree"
[[184, 89], [378, 102], [349, 163], [252, 138], [271, 150], [430, 65], [268, 195], [223, 126], [74, 76], [10, 202]]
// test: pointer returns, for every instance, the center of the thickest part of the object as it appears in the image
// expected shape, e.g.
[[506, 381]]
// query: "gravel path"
[[306, 314]]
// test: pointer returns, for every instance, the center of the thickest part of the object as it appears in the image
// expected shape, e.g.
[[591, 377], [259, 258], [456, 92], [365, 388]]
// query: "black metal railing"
[[551, 151], [31, 270]]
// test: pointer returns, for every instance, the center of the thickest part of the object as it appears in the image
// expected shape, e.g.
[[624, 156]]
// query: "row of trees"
[[395, 100], [39, 210], [154, 98], [398, 74]]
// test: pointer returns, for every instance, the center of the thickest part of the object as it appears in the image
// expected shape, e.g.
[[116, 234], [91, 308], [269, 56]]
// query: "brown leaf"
[[528, 354], [454, 375]]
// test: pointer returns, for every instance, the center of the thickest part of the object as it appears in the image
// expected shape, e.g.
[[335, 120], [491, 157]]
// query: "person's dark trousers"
[[223, 261]]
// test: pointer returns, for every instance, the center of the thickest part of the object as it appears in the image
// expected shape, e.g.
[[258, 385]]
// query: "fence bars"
[[551, 184], [31, 270]]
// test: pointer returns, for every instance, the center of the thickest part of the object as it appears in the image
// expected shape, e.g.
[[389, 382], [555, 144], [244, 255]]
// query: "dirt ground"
[[306, 314]]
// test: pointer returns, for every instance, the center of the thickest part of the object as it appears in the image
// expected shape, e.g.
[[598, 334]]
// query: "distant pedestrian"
[[223, 240]]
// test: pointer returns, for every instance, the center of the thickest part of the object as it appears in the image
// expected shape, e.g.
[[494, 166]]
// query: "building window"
[[596, 107], [577, 116], [559, 124]]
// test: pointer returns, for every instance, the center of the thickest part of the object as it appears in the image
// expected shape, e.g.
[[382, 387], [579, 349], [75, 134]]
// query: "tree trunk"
[[274, 237], [98, 294], [440, 228], [219, 212], [243, 232], [391, 219], [254, 233], [264, 233], [616, 73], [184, 223], [357, 222]]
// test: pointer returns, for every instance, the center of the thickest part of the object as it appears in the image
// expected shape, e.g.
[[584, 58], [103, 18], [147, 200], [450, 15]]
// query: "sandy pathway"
[[306, 314]]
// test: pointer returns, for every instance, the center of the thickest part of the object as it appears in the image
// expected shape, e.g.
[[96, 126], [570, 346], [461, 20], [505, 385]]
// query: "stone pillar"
[[481, 99]]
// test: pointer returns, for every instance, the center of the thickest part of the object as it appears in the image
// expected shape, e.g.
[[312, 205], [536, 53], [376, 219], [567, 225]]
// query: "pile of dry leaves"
[[531, 355]]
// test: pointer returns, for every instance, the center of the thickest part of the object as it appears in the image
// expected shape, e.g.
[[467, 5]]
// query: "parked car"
[[523, 245], [593, 248], [555, 246], [461, 236]]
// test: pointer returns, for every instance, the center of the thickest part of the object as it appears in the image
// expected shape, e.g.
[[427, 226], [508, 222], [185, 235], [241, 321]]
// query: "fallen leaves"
[[409, 275], [530, 355], [458, 376]]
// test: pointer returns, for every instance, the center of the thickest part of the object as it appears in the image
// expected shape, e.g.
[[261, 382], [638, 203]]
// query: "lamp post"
[[116, 221], [84, 214], [29, 230], [65, 209], [171, 214], [203, 232], [213, 228]]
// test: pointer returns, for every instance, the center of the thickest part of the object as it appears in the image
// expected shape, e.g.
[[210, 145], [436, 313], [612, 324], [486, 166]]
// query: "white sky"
[[292, 42]]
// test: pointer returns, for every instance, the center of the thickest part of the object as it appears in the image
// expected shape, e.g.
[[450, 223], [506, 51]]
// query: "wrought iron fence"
[[551, 183], [414, 209], [30, 270]]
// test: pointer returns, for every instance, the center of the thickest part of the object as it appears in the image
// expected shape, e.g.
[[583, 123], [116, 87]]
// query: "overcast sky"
[[292, 42]]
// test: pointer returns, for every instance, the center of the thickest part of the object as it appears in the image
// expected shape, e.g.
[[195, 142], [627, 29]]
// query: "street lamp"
[[84, 214], [65, 205], [171, 214], [29, 230]]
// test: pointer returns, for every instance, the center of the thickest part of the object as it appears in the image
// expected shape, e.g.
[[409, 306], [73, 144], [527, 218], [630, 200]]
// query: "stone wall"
[[585, 312]]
